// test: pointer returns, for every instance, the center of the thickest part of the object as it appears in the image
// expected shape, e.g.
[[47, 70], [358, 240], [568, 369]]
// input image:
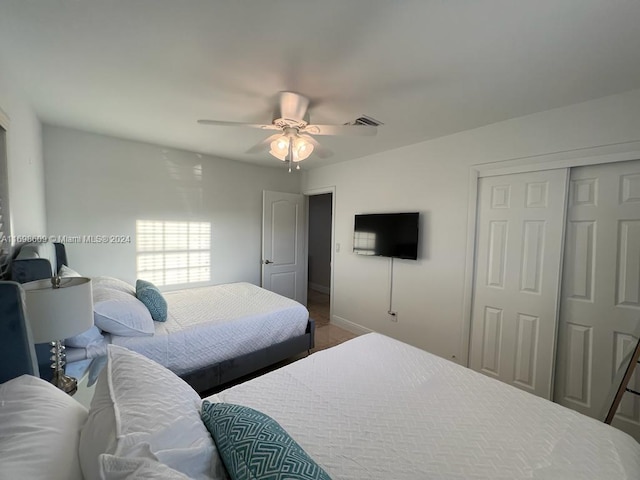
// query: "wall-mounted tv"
[[387, 235]]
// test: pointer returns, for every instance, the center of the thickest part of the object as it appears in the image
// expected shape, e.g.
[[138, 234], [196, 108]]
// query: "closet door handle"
[[267, 262]]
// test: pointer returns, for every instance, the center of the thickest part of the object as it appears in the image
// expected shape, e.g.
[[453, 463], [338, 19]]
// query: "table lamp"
[[59, 308]]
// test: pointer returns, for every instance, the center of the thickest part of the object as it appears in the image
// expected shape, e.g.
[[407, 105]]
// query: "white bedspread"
[[376, 408], [211, 324]]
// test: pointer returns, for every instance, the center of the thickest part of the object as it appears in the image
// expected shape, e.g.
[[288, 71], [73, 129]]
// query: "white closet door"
[[516, 287], [600, 307]]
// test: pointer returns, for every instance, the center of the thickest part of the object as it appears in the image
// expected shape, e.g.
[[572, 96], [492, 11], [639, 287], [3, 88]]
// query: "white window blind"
[[170, 253], [364, 243]]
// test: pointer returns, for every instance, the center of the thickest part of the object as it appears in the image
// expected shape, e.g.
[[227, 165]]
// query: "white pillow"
[[141, 407], [98, 435], [68, 272], [120, 468], [39, 431], [121, 314], [84, 339], [114, 283]]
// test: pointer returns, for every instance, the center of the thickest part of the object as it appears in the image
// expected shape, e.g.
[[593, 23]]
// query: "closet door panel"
[[520, 222], [600, 299]]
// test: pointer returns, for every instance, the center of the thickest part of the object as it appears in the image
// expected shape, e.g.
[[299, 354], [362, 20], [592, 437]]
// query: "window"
[[364, 243], [171, 253]]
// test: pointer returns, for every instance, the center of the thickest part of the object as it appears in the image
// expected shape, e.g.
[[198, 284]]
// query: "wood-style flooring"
[[327, 334]]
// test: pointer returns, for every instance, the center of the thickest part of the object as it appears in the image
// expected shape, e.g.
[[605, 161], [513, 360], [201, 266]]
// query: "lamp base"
[[63, 382]]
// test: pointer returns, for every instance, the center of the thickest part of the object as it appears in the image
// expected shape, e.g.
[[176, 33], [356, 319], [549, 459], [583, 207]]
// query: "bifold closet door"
[[600, 305], [519, 238]]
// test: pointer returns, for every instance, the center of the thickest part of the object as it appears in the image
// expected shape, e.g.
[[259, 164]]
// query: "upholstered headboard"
[[17, 354], [38, 260]]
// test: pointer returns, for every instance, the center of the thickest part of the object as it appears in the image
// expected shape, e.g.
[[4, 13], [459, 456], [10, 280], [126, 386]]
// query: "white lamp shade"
[[58, 313], [301, 149]]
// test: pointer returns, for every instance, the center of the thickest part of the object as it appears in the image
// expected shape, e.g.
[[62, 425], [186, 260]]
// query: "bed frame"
[[35, 261], [222, 373], [17, 354]]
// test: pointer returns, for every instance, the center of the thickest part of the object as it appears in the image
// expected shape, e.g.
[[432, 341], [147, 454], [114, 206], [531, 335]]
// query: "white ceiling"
[[149, 69]]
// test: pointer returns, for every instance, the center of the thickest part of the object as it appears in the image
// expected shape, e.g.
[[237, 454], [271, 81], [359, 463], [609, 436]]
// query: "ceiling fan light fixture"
[[301, 150], [295, 140], [279, 148]]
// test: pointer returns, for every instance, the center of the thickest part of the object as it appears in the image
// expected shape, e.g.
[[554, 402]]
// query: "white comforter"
[[376, 408], [211, 324]]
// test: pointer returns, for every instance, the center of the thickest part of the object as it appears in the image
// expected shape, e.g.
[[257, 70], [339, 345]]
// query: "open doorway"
[[319, 257]]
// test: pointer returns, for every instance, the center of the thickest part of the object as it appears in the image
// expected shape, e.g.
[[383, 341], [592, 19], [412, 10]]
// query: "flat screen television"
[[387, 235]]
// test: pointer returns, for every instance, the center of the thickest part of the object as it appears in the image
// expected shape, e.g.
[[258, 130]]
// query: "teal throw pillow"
[[152, 298], [254, 446]]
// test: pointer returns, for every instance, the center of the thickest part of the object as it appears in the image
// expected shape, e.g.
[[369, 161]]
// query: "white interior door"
[[600, 306], [520, 222], [283, 242]]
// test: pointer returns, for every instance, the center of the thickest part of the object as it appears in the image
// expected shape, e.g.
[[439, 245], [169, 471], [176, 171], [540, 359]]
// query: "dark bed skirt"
[[212, 376]]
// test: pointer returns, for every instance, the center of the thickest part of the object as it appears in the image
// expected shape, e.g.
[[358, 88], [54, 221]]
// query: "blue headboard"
[[38, 260], [17, 355]]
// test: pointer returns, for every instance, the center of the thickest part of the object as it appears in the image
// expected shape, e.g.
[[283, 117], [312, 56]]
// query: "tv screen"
[[387, 235]]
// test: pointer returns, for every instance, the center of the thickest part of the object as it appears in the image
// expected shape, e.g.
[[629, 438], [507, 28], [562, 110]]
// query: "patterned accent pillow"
[[254, 446], [152, 298]]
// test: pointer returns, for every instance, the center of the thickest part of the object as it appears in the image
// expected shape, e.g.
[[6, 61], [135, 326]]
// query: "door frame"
[[5, 194], [309, 193], [618, 152]]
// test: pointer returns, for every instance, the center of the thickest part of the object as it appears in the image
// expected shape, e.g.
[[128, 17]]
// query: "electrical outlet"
[[394, 316]]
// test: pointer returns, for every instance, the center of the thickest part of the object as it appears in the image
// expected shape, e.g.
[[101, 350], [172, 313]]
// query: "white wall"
[[25, 167], [433, 177], [99, 185]]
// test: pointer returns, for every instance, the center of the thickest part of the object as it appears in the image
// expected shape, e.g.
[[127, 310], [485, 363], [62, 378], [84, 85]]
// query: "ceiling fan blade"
[[318, 149], [264, 144], [293, 106], [361, 130], [238, 124]]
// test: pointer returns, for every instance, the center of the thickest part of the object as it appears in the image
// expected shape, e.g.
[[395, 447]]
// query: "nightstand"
[[86, 372]]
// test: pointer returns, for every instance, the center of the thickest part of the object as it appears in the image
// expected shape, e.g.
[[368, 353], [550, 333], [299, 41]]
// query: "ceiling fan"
[[294, 142]]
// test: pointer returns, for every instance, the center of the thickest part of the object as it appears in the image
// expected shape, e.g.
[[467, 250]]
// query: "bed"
[[370, 408], [212, 335], [375, 407]]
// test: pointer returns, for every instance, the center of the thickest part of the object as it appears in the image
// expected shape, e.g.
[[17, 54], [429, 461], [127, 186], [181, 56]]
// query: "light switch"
[[337, 247]]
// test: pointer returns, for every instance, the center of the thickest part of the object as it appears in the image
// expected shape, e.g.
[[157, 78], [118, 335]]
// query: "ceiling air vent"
[[366, 120]]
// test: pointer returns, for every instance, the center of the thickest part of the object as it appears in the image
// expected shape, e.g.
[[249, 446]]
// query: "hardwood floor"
[[327, 334], [318, 306]]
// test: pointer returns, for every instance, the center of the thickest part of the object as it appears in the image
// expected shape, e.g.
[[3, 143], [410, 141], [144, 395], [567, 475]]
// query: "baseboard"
[[320, 288], [349, 325]]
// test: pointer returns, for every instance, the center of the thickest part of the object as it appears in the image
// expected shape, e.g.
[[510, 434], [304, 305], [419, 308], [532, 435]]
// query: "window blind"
[[170, 253]]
